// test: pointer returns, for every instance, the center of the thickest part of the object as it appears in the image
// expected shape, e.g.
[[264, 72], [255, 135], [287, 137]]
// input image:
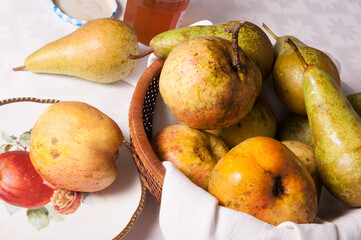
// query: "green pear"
[[97, 51], [336, 132], [355, 100], [207, 84], [260, 121], [252, 39], [296, 126], [287, 71]]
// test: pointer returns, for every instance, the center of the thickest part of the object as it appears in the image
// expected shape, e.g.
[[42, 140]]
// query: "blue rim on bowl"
[[78, 22]]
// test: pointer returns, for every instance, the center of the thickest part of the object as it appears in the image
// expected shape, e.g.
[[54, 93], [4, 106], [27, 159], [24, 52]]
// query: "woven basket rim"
[[143, 150]]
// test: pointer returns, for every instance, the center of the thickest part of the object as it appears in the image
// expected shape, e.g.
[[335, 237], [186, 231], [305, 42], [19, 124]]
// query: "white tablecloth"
[[331, 25]]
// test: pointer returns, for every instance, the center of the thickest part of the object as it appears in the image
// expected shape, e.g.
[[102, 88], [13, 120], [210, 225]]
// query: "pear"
[[252, 39], [260, 121], [336, 132], [97, 51], [296, 126], [355, 100], [194, 152], [207, 84], [306, 156], [74, 146], [287, 71]]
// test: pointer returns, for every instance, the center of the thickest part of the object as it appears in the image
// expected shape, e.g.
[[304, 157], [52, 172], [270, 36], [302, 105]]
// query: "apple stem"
[[20, 145], [149, 51], [270, 32], [237, 64], [19, 68], [297, 51]]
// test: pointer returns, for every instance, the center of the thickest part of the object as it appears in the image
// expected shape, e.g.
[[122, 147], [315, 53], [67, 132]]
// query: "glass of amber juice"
[[151, 17]]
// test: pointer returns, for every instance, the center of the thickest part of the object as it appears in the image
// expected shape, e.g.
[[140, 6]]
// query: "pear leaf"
[[5, 148], [7, 138], [18, 149], [57, 217], [38, 217], [24, 139], [11, 209], [86, 198]]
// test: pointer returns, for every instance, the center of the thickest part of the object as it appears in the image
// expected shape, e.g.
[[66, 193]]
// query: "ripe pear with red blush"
[[194, 152], [74, 146], [209, 83]]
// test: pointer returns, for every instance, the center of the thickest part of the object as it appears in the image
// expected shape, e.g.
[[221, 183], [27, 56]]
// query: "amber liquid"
[[151, 17]]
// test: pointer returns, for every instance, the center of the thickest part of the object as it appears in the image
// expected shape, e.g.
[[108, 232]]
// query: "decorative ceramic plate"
[[107, 214]]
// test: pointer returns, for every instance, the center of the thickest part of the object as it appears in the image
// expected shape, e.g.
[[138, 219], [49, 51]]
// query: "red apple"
[[20, 184]]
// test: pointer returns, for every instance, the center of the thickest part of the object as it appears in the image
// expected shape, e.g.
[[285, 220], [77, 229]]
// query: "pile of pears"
[[336, 132], [209, 87], [213, 76]]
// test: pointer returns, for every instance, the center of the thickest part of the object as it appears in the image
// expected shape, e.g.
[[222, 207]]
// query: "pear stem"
[[19, 68], [270, 32], [149, 51], [297, 51], [235, 46]]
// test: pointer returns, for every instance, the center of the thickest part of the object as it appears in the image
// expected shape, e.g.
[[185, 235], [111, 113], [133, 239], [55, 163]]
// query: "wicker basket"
[[141, 112]]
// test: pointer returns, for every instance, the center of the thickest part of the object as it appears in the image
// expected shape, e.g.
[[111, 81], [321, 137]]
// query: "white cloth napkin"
[[189, 212]]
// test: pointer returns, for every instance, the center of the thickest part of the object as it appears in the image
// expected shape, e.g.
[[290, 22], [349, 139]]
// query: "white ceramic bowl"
[[78, 22]]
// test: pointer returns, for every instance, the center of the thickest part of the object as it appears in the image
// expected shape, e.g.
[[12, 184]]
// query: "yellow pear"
[[262, 177], [306, 156], [74, 146], [97, 51], [260, 121]]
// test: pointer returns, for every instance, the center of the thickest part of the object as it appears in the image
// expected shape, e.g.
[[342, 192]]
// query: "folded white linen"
[[189, 212]]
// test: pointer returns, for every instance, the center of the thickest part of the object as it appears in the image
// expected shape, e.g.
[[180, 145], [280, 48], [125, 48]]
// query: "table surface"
[[330, 25]]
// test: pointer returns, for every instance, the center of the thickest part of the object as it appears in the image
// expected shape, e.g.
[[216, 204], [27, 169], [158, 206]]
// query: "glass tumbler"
[[151, 17]]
